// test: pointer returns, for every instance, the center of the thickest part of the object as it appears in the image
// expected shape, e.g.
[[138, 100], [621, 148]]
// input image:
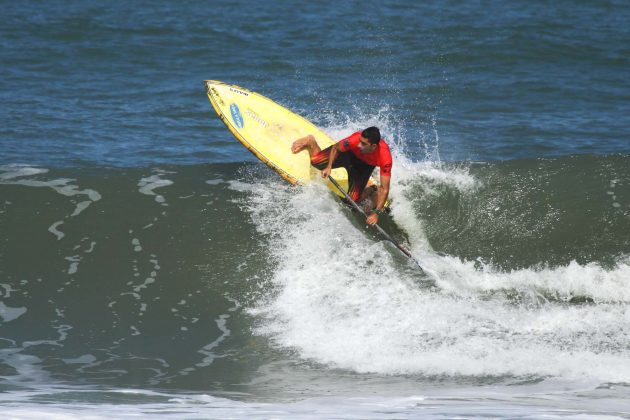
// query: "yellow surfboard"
[[268, 130]]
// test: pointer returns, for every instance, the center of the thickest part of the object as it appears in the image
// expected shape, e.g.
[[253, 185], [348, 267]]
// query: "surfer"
[[359, 154]]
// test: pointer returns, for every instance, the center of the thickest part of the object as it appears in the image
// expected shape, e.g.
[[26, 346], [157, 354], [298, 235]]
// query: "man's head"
[[368, 142]]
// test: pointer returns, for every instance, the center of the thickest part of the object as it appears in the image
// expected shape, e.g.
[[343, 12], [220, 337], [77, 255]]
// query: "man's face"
[[365, 146]]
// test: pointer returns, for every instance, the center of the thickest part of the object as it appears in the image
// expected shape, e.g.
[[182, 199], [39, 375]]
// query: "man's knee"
[[320, 159]]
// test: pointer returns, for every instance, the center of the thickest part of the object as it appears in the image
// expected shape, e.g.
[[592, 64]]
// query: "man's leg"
[[320, 159], [370, 193], [308, 143], [359, 174]]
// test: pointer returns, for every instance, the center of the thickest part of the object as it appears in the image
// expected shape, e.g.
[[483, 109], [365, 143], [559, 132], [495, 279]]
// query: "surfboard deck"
[[267, 129]]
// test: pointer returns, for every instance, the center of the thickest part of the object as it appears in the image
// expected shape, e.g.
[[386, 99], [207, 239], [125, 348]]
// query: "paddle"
[[380, 229]]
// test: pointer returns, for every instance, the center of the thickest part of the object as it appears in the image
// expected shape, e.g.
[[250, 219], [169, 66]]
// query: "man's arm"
[[331, 159], [381, 199]]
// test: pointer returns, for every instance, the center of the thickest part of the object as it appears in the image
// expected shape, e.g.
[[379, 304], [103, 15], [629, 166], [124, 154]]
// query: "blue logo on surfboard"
[[236, 115]]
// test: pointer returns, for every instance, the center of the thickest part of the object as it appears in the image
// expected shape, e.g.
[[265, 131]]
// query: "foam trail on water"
[[343, 298]]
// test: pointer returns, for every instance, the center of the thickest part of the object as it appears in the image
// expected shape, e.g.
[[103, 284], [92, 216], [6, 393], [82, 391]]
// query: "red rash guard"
[[381, 157]]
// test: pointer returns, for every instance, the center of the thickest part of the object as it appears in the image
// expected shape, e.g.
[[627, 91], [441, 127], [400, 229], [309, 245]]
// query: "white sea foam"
[[9, 314], [549, 399], [149, 184], [344, 299], [53, 229], [23, 175], [85, 359], [17, 171], [19, 175], [217, 181]]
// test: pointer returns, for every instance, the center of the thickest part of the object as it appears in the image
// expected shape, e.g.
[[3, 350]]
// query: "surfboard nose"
[[212, 82], [209, 84]]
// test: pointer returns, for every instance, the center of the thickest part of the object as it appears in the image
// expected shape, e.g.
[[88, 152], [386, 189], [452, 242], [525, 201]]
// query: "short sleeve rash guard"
[[381, 157]]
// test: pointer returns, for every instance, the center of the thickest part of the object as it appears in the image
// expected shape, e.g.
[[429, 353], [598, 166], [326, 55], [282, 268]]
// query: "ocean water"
[[151, 267]]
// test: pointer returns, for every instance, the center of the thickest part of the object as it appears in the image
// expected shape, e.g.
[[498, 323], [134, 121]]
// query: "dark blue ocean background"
[[120, 83], [151, 266]]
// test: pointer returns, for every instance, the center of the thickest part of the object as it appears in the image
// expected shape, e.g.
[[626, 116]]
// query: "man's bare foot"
[[308, 143], [303, 143], [299, 145]]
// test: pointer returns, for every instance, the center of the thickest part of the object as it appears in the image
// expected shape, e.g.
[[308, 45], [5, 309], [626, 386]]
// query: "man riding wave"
[[358, 153]]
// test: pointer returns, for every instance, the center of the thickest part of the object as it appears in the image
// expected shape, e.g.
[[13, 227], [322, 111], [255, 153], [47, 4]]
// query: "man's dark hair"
[[372, 134]]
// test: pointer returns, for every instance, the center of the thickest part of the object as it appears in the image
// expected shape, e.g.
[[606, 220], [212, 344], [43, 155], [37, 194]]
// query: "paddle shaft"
[[380, 229]]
